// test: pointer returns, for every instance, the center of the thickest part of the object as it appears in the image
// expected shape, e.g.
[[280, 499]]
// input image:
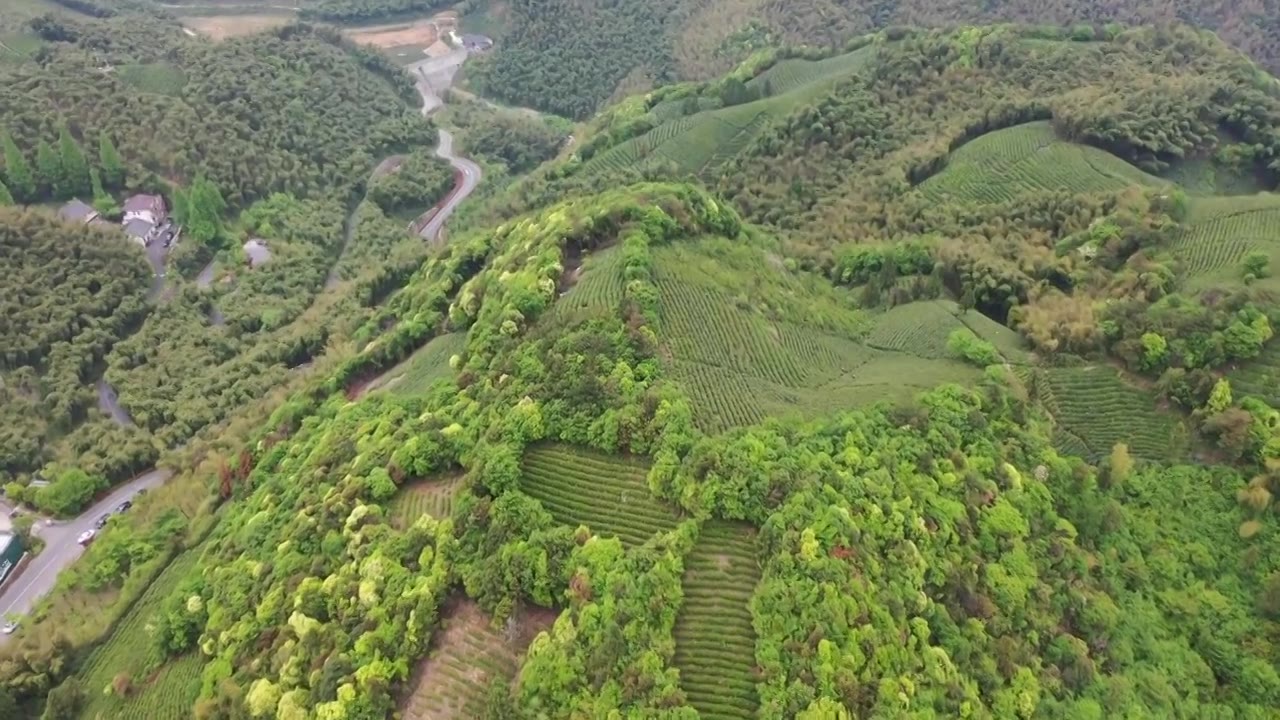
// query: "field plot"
[[128, 651], [607, 493], [1221, 232], [700, 143], [922, 329], [1259, 377], [596, 287], [159, 78], [467, 654], [431, 496], [427, 365], [1007, 163], [715, 640], [792, 349], [1094, 408], [221, 27]]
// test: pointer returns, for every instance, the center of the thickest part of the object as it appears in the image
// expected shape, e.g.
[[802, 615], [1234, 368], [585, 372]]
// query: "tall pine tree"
[[6, 198], [17, 173], [74, 179], [48, 170], [202, 212], [113, 173]]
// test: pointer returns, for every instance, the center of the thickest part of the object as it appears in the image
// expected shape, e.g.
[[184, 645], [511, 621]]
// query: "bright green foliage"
[[110, 163], [1256, 264], [68, 491], [73, 170], [966, 346], [17, 172], [1154, 351], [1220, 397], [715, 642], [202, 209], [608, 494], [48, 170], [1004, 164]]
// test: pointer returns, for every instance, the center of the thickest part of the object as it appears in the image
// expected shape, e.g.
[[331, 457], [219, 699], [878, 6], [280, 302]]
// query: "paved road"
[[468, 178], [20, 594], [109, 403]]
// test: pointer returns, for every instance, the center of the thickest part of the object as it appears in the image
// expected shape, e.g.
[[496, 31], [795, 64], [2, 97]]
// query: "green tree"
[[201, 212], [17, 172], [6, 198], [73, 179], [1257, 265], [48, 169], [102, 200], [1154, 350], [1220, 397], [113, 172]]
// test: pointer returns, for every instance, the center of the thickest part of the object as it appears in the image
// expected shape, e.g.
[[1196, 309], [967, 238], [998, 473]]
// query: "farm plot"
[[432, 496], [607, 493], [1094, 408], [128, 652], [795, 73], [596, 288], [1212, 248], [1259, 377], [159, 78], [1007, 163], [741, 360], [715, 640], [467, 655], [922, 329], [427, 365]]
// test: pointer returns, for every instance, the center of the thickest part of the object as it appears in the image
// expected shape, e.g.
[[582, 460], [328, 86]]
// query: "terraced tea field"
[[922, 329], [1094, 409], [1007, 163], [700, 143], [607, 493], [597, 289], [128, 650], [715, 640], [739, 364], [1260, 376], [1221, 232], [467, 655], [432, 496], [429, 364]]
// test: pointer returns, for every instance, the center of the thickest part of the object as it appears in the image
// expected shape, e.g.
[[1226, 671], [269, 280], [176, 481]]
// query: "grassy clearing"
[[1029, 158], [715, 640], [432, 496], [607, 493], [222, 27], [1221, 232], [429, 364], [700, 143], [745, 345], [128, 650], [1094, 408], [922, 329], [159, 78], [467, 654]]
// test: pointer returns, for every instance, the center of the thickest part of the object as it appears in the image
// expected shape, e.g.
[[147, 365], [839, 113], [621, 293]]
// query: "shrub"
[[967, 346]]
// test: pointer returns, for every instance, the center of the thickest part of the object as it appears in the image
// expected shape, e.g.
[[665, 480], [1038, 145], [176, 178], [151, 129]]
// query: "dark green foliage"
[[17, 172], [357, 11], [6, 198], [110, 163], [200, 212], [419, 182], [48, 170], [73, 178], [515, 139]]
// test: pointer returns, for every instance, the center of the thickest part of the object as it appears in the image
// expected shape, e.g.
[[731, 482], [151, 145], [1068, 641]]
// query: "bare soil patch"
[[221, 27], [422, 33]]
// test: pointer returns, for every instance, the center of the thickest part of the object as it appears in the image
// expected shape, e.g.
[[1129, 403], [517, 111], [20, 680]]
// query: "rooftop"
[[143, 203], [138, 228], [77, 211]]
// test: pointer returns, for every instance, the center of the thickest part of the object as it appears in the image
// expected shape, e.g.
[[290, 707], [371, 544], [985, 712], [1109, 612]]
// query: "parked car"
[[9, 627], [124, 506], [102, 521], [87, 536]]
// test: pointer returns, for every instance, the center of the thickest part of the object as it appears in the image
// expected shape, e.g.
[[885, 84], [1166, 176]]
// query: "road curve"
[[20, 594], [468, 178]]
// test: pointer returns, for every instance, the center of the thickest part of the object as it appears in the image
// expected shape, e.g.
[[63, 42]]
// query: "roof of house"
[[77, 211], [476, 41], [257, 252], [144, 203], [138, 227]]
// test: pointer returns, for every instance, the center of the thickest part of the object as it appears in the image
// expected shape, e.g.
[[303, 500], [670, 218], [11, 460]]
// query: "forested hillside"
[[923, 376], [570, 56]]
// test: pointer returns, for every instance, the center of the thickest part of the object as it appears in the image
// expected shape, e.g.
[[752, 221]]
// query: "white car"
[[9, 628], [87, 536]]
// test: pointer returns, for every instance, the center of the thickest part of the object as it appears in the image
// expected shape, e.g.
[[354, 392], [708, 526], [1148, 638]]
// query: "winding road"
[[19, 594]]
